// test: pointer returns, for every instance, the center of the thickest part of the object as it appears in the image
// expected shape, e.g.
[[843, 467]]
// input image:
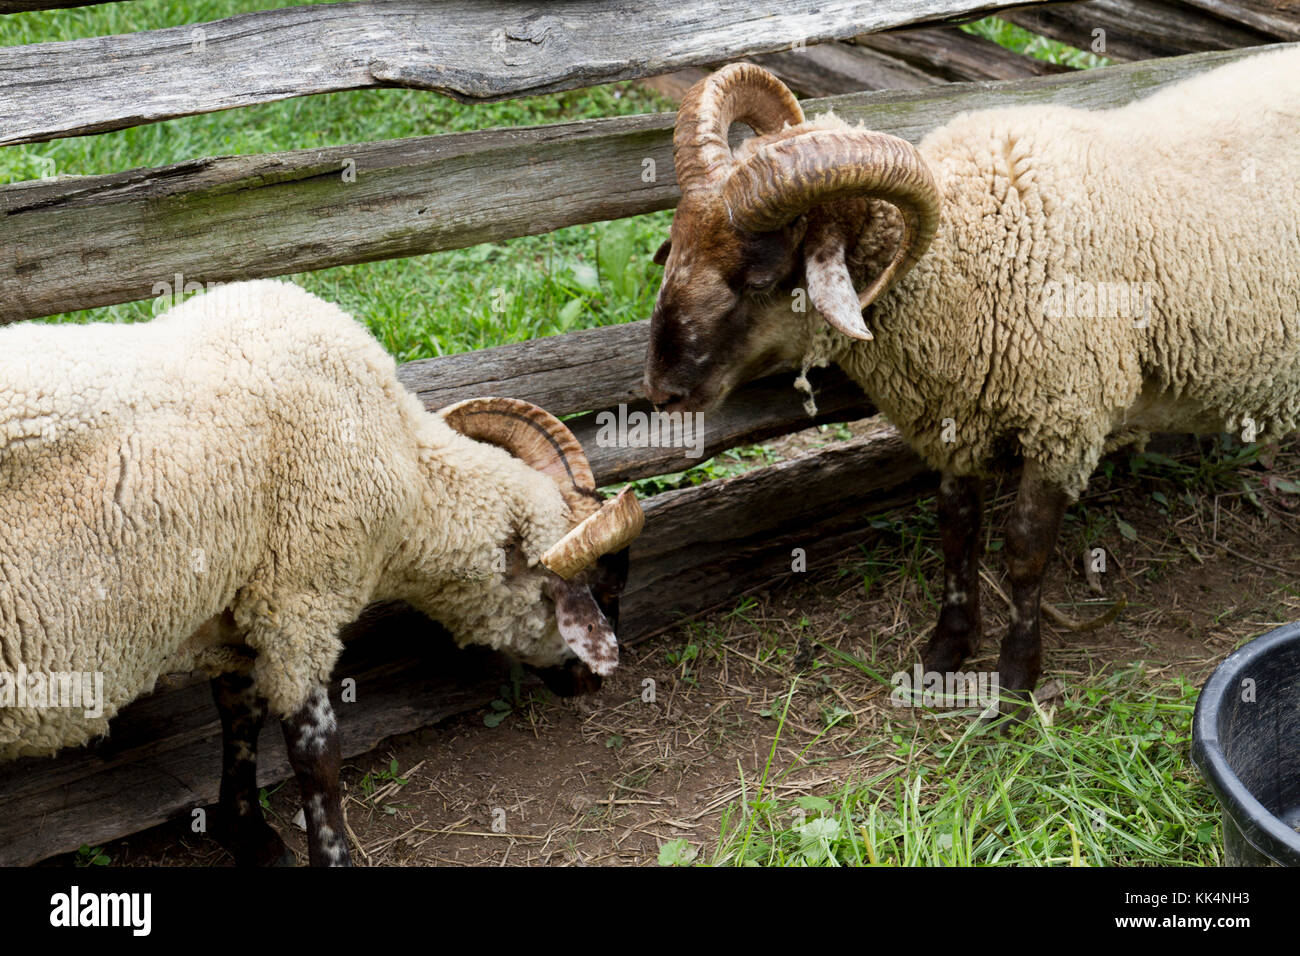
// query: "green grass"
[[1019, 40], [1105, 780]]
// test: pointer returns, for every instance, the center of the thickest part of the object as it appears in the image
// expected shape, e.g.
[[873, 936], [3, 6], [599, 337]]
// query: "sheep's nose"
[[658, 395]]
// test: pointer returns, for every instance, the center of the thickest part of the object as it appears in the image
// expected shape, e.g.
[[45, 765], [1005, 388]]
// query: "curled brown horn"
[[786, 178], [739, 92], [612, 528], [535, 437]]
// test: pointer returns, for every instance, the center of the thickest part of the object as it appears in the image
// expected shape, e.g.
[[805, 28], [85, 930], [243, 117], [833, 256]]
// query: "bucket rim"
[[1260, 827]]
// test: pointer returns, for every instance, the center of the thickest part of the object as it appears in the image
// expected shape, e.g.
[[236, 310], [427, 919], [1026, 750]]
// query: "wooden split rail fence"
[[74, 242]]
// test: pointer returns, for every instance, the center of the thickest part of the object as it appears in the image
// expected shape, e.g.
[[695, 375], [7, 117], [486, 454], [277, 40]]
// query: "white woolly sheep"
[[1006, 339], [226, 486]]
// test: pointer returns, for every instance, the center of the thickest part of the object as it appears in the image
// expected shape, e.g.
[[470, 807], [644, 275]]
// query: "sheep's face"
[[754, 223], [542, 559], [509, 600], [586, 610], [576, 644], [726, 309]]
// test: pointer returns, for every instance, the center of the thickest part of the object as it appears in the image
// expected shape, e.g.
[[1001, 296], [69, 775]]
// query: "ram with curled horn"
[[340, 492], [1028, 286]]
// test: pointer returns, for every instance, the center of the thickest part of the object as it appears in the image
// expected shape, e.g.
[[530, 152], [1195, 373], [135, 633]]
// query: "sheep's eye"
[[761, 285]]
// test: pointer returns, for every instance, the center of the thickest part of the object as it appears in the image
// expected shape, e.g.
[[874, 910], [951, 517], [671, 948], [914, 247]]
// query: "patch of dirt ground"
[[1207, 556]]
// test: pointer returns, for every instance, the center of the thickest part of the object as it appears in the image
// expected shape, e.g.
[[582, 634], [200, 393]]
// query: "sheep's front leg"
[[1030, 539], [961, 512], [240, 826], [313, 740]]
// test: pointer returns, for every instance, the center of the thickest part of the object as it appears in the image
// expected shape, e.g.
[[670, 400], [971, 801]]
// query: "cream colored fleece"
[[250, 450], [1192, 194]]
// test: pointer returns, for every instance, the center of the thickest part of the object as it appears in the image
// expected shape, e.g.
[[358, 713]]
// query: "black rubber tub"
[[1246, 743]]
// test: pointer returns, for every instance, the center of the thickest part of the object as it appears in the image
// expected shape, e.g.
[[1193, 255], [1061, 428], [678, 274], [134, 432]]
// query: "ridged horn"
[[612, 528], [535, 437], [786, 178], [737, 93]]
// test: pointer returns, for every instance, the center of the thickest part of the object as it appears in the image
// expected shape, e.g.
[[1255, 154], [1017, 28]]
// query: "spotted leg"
[[1031, 536], [240, 826], [957, 635], [312, 737]]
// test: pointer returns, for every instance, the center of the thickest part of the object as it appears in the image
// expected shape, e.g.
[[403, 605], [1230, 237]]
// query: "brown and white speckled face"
[[580, 636], [604, 584], [583, 625], [565, 630]]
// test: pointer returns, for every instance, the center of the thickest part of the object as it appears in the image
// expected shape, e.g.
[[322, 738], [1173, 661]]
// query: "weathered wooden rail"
[[1140, 29], [1119, 29], [469, 49], [901, 60], [76, 242]]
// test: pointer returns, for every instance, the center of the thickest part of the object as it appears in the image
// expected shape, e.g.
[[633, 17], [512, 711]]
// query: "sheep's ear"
[[582, 625], [661, 256], [830, 287]]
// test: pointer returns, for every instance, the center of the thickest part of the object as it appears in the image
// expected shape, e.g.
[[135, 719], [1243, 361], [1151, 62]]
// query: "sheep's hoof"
[[1015, 707], [272, 853], [1012, 711], [946, 651], [256, 844], [1016, 681]]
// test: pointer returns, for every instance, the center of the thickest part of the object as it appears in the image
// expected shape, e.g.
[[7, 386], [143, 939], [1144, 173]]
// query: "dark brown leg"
[[961, 512], [312, 737], [240, 826], [1030, 539]]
